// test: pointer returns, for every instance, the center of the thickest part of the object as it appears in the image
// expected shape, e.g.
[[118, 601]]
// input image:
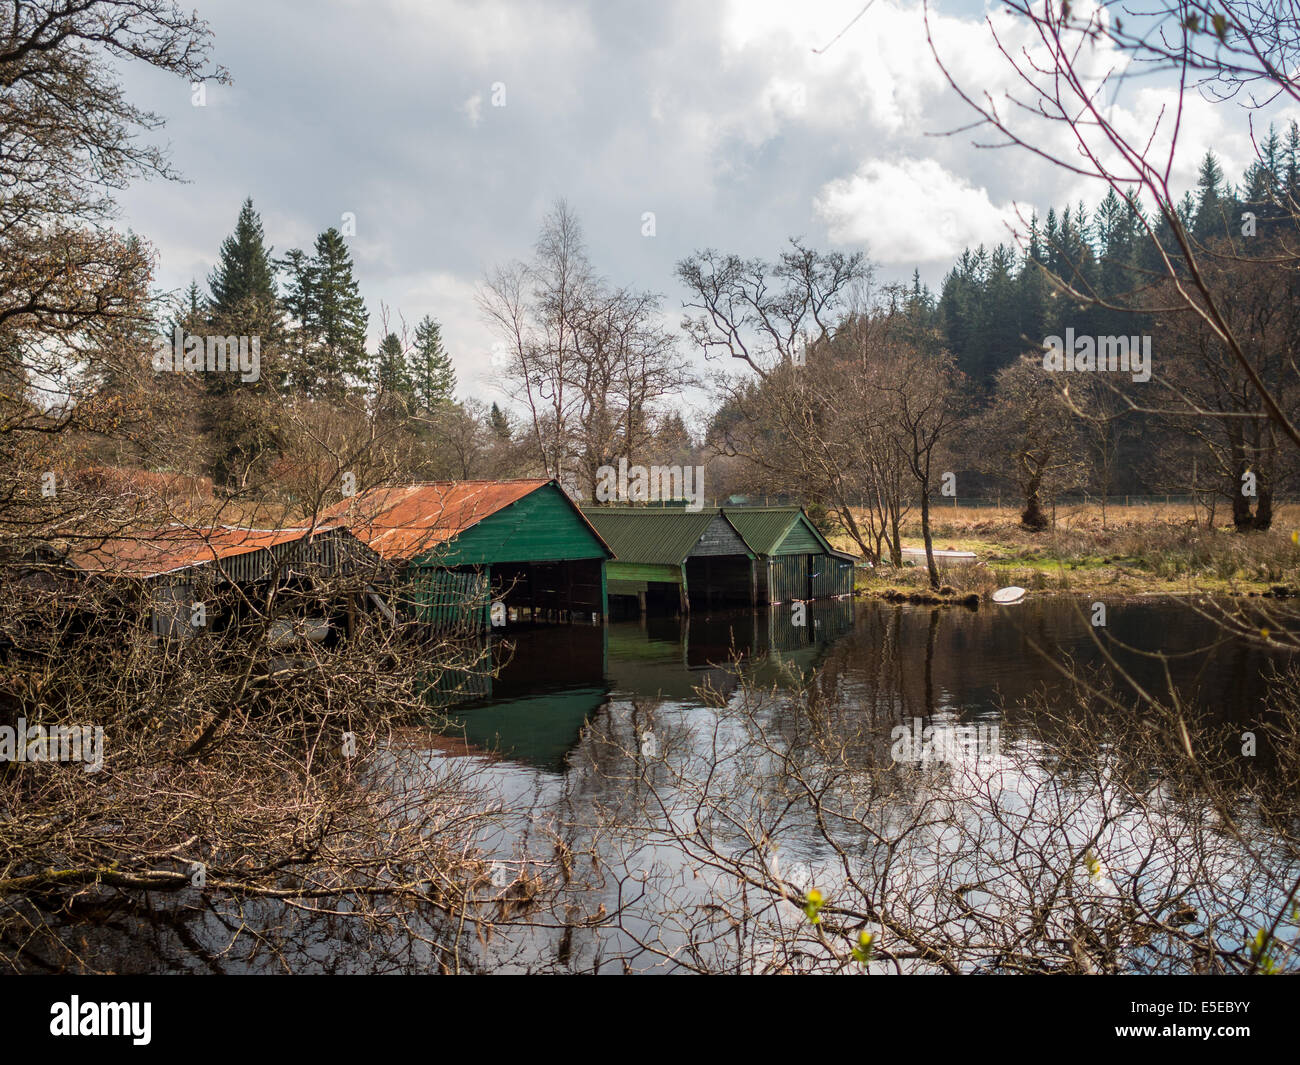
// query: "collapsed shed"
[[180, 567]]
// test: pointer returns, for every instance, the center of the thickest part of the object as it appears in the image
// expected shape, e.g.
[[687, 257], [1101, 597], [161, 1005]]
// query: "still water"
[[576, 727], [953, 663], [583, 737]]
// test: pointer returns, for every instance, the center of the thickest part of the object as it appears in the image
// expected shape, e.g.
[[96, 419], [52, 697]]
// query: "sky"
[[448, 129]]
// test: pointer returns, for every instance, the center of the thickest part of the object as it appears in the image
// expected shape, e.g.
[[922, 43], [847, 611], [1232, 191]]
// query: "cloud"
[[722, 119], [910, 211]]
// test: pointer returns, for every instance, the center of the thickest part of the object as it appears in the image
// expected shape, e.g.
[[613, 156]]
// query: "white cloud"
[[910, 211], [722, 119], [451, 300]]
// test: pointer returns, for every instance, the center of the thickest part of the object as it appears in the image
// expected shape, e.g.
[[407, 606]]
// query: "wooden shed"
[[672, 559], [178, 565], [794, 560], [500, 550]]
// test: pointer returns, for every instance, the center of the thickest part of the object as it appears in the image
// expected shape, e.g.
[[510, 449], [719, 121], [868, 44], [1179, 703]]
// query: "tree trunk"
[[929, 540], [1242, 519], [1264, 511], [1032, 517]]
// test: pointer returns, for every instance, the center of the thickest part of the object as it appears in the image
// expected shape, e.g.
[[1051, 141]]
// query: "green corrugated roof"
[[763, 528], [659, 535]]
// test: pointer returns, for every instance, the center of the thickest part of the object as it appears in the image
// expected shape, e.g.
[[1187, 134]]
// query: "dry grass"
[[1133, 550]]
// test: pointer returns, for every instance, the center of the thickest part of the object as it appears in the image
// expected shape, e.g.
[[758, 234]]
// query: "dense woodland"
[[1018, 432]]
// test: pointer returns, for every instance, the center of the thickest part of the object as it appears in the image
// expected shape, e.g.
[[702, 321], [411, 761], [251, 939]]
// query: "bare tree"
[[1031, 437], [589, 363], [925, 390], [767, 313]]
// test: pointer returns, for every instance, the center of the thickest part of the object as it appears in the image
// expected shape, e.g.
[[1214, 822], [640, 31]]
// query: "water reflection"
[[583, 732], [545, 684], [896, 661]]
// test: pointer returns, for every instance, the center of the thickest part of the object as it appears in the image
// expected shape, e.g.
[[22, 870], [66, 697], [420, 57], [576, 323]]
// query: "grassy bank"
[[1138, 550]]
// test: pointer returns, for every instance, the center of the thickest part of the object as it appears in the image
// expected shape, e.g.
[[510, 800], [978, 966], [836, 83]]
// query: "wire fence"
[[1009, 501]]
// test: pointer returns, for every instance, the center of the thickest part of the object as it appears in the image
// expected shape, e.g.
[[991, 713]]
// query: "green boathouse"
[[669, 559], [793, 559], [502, 551]]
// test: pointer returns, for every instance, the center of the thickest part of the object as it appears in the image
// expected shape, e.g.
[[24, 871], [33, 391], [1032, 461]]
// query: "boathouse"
[[177, 566], [673, 560], [499, 551], [793, 559]]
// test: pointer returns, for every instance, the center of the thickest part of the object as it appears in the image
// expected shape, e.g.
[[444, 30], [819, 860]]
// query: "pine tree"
[[1291, 163], [1031, 292], [243, 303], [325, 298], [432, 374], [500, 423], [1116, 236], [1263, 178], [1211, 200], [244, 270], [191, 315], [999, 327], [391, 371], [299, 303]]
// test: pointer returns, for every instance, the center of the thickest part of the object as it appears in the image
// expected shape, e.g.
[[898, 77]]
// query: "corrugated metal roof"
[[404, 521], [658, 535], [763, 528], [174, 547]]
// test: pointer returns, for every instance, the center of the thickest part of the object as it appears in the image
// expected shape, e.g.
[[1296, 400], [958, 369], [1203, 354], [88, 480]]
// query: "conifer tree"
[[391, 371], [340, 317], [1211, 200], [432, 376], [330, 318], [1291, 163], [500, 423], [244, 271], [191, 312], [298, 302]]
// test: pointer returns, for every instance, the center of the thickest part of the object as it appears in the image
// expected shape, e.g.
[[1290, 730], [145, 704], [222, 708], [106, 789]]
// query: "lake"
[[604, 747], [596, 737]]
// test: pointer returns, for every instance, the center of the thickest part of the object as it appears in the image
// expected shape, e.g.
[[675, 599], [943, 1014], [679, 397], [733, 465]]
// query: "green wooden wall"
[[800, 540], [626, 578], [543, 526], [446, 598]]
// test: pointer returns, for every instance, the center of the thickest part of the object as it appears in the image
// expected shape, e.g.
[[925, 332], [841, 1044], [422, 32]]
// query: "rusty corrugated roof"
[[395, 521], [404, 521], [169, 548]]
